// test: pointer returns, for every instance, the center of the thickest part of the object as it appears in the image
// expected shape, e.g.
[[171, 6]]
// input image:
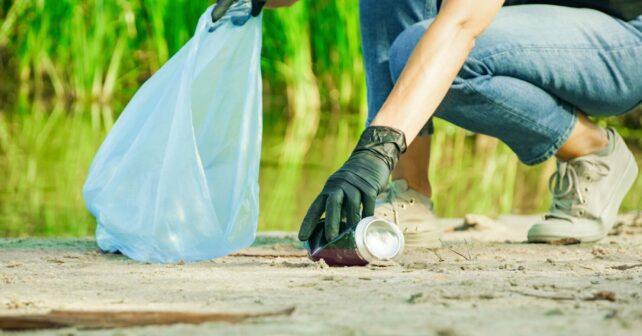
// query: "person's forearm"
[[434, 64]]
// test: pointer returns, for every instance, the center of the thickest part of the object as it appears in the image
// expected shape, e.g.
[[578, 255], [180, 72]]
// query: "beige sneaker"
[[587, 194], [412, 212]]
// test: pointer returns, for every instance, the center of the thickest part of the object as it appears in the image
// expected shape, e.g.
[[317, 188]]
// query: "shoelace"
[[392, 194], [389, 195], [571, 200]]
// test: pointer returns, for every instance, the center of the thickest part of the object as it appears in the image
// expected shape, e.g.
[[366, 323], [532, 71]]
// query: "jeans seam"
[[508, 109], [551, 149], [550, 49]]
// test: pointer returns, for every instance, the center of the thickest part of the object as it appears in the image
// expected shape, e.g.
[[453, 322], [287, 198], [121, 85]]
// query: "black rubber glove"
[[359, 181], [257, 5]]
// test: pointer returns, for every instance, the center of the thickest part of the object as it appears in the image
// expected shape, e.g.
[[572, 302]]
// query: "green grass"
[[67, 68]]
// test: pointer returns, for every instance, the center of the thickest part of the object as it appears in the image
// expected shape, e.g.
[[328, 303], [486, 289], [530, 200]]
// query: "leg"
[[381, 22], [413, 166], [407, 200], [524, 81], [529, 80], [585, 139]]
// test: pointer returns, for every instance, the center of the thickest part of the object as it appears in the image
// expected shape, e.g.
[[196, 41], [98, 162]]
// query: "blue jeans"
[[533, 69], [381, 22]]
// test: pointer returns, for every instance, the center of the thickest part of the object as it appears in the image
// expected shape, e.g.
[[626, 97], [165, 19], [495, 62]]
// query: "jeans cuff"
[[559, 142]]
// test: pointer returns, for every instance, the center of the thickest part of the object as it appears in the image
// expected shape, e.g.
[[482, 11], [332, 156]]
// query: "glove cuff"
[[386, 142], [375, 135]]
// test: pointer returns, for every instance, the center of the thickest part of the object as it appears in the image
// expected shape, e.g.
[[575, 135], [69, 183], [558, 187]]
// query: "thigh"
[[582, 56], [381, 22]]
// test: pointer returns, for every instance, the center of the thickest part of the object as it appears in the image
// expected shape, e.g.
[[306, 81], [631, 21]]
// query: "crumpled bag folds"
[[176, 179]]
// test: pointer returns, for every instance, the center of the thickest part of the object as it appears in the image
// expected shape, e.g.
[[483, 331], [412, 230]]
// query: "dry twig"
[[626, 267], [120, 319], [460, 254], [602, 295]]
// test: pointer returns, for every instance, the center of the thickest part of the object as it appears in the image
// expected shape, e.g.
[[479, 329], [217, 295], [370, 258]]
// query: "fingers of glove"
[[312, 217], [368, 200], [333, 213], [352, 204]]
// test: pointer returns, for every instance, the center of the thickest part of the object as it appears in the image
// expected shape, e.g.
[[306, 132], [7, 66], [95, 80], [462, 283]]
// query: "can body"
[[372, 239]]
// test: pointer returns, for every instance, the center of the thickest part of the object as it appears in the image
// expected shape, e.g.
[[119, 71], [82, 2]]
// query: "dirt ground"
[[484, 281]]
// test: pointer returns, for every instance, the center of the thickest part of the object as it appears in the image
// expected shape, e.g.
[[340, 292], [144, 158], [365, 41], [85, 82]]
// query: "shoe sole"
[[626, 182]]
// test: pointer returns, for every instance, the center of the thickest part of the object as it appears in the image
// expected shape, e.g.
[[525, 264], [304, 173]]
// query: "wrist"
[[375, 135], [385, 142]]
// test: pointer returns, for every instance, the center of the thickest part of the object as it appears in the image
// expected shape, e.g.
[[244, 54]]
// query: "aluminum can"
[[372, 239]]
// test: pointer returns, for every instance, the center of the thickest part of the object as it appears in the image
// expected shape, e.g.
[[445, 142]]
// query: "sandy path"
[[485, 281]]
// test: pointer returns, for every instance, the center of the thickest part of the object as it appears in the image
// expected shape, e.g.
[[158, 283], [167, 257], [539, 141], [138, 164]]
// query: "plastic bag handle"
[[222, 6]]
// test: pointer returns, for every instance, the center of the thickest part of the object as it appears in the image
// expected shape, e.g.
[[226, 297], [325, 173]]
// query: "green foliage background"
[[68, 67]]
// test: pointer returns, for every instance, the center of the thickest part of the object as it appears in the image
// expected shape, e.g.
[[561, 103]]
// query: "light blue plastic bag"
[[177, 176]]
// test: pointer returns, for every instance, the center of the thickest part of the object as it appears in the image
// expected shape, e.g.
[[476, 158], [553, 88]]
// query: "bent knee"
[[405, 44]]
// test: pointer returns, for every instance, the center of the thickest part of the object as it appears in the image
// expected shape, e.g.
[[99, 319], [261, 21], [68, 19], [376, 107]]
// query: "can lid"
[[378, 239]]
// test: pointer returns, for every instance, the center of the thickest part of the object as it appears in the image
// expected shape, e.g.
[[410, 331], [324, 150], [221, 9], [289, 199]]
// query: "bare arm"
[[424, 82], [434, 64]]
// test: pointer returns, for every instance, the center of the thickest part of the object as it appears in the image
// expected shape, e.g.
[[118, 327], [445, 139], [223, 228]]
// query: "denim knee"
[[404, 45]]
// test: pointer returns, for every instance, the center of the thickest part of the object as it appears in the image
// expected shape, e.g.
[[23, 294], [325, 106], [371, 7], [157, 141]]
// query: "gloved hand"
[[358, 182], [257, 5], [222, 6]]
